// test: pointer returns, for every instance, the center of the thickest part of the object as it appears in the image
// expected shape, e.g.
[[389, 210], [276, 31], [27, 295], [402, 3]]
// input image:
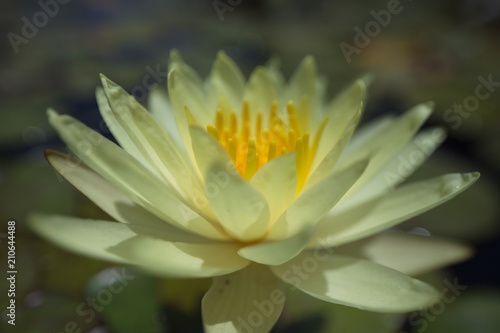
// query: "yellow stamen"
[[293, 119], [251, 165], [213, 132], [231, 149], [251, 142], [219, 120]]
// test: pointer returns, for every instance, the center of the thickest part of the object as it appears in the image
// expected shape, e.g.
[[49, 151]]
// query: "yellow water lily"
[[255, 183]]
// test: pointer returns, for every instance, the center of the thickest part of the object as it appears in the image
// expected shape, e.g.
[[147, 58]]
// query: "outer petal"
[[130, 176], [325, 166], [118, 132], [398, 168], [385, 146], [409, 254], [110, 199], [342, 112], [250, 300], [355, 282], [277, 181], [155, 144], [242, 210], [152, 249], [314, 203], [398, 206]]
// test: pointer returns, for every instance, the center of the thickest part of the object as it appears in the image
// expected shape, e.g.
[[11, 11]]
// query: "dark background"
[[429, 50]]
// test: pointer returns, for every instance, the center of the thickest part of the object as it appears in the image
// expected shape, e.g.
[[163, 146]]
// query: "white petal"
[[109, 198], [314, 203], [250, 300], [179, 259], [87, 237], [411, 254], [129, 176], [225, 80], [277, 252], [393, 208], [152, 249], [118, 132], [355, 282], [242, 210], [277, 181]]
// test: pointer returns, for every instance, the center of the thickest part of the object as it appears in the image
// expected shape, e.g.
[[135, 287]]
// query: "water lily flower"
[[256, 183]]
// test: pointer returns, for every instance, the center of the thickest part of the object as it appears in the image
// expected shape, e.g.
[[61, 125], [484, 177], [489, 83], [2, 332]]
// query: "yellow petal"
[[129, 176], [342, 112], [398, 168], [155, 144], [225, 80], [393, 208], [250, 300], [410, 254], [302, 88], [384, 147], [152, 249], [109, 198], [161, 110], [118, 132], [260, 92]]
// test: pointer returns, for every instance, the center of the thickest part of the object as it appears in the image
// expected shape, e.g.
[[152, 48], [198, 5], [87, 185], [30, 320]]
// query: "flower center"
[[254, 142]]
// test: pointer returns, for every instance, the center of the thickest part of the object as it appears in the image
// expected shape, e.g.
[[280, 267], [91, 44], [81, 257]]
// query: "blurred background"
[[52, 52]]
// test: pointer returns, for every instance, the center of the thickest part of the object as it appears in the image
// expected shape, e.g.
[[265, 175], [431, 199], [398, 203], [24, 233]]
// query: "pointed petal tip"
[[51, 113], [368, 78]]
